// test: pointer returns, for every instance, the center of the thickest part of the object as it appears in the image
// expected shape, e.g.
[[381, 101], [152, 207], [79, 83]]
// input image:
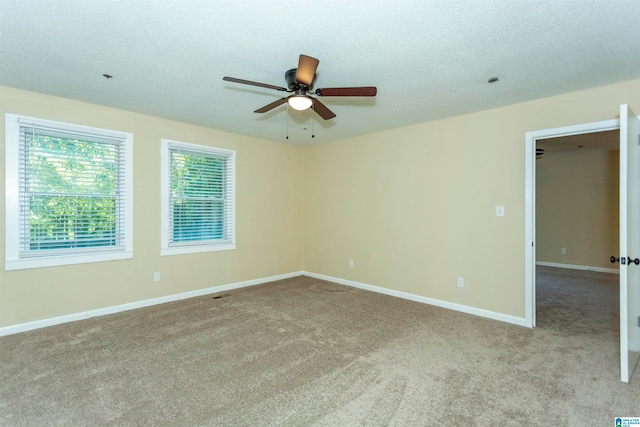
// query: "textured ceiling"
[[429, 59], [606, 140]]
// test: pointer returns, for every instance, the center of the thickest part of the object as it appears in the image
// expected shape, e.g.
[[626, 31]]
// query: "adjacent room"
[[329, 213]]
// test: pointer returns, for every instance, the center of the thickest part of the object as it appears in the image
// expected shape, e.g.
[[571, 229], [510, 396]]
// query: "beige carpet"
[[303, 352]]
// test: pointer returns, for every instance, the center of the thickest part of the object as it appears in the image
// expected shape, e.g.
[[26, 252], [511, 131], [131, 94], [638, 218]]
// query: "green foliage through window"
[[71, 191], [197, 196]]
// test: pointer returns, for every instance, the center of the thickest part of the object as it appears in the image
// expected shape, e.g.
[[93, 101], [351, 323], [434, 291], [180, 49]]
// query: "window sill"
[[54, 261], [182, 250]]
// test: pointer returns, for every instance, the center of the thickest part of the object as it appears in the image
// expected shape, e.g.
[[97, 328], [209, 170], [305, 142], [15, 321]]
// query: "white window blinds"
[[201, 195], [72, 191]]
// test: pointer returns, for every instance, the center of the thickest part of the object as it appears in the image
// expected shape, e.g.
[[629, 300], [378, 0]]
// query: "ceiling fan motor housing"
[[292, 83]]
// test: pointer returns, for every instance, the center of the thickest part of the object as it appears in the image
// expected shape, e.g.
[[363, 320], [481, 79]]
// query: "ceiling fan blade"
[[306, 70], [322, 110], [348, 91], [249, 82], [271, 106]]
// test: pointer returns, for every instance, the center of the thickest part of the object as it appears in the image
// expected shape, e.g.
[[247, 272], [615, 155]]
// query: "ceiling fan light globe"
[[300, 102]]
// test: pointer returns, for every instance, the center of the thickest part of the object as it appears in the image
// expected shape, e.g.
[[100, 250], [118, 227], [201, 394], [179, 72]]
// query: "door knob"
[[625, 260]]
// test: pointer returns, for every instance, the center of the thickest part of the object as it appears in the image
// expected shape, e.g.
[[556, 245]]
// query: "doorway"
[[629, 230], [531, 140], [577, 197]]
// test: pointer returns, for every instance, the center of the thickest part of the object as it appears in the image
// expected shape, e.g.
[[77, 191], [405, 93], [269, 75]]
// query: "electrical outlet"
[[350, 263], [460, 282], [156, 276]]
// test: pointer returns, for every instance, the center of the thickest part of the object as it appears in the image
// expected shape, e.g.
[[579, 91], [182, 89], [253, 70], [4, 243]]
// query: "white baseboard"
[[578, 267], [23, 327], [520, 321]]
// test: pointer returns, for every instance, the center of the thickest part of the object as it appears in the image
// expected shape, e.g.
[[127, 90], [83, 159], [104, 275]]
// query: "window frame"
[[13, 258], [165, 182]]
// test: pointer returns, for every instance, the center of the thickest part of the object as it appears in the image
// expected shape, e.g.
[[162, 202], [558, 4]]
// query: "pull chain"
[[287, 120]]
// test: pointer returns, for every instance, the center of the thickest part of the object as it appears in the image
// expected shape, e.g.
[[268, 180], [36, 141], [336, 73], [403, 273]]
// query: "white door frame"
[[530, 202]]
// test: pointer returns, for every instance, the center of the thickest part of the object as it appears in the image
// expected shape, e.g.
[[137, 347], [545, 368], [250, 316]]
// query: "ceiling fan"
[[300, 83]]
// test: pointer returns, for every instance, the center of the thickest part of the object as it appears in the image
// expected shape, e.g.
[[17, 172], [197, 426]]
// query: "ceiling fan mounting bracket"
[[293, 84]]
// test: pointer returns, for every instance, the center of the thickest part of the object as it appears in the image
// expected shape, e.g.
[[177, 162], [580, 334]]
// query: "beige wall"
[[415, 207], [268, 223], [577, 196]]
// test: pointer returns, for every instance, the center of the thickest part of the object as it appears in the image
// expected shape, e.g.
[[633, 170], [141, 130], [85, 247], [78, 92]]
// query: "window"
[[68, 194], [198, 198]]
